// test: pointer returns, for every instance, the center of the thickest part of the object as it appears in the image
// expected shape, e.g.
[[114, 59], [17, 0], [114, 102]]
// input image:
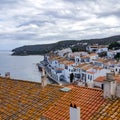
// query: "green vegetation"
[[102, 54], [117, 56], [75, 45], [74, 49], [78, 48], [114, 46]]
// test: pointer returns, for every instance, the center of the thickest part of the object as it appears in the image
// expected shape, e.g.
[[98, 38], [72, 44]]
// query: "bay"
[[20, 67]]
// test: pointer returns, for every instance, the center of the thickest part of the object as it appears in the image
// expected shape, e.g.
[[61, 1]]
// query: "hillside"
[[74, 44]]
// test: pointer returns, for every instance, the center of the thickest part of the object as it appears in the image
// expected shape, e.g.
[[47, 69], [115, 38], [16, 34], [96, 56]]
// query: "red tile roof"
[[89, 100], [22, 100], [90, 72], [100, 79], [59, 68], [117, 78]]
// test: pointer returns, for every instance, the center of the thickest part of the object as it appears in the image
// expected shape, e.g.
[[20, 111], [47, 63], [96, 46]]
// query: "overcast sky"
[[24, 22]]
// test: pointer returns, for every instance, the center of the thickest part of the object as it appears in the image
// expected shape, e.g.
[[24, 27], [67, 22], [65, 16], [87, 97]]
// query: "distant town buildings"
[[97, 48], [84, 66]]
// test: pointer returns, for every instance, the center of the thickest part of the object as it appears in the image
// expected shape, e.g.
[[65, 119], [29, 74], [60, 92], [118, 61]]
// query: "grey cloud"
[[5, 37], [6, 4], [41, 21], [36, 22], [73, 15], [17, 36], [25, 36], [107, 13], [3, 2], [73, 1]]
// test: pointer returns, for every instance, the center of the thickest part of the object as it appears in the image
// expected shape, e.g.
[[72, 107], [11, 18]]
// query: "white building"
[[64, 51], [112, 53], [88, 73], [97, 48], [117, 69], [93, 56], [110, 83], [85, 68], [76, 54]]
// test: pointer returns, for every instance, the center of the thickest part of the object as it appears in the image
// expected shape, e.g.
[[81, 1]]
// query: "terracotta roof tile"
[[82, 65], [100, 79], [110, 110], [117, 78], [89, 100], [29, 101], [90, 72], [25, 100], [93, 54], [87, 67], [59, 68]]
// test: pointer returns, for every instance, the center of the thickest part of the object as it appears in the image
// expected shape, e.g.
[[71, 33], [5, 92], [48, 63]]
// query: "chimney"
[[7, 74], [43, 72], [110, 86], [43, 78], [110, 76], [43, 81], [74, 112]]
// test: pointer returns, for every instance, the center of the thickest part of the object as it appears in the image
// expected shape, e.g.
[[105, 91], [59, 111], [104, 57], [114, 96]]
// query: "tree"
[[114, 45], [117, 56], [102, 54], [74, 49]]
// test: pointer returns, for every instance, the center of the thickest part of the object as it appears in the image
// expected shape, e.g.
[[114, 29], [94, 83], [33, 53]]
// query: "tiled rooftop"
[[87, 67], [82, 65], [54, 57], [97, 68], [99, 46], [20, 100], [90, 72], [102, 78], [117, 78], [61, 60], [66, 62], [102, 60], [89, 100], [93, 54], [108, 111]]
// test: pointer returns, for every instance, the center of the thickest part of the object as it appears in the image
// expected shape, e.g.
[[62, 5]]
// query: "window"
[[66, 67], [77, 75], [88, 76], [77, 60], [91, 77], [75, 70]]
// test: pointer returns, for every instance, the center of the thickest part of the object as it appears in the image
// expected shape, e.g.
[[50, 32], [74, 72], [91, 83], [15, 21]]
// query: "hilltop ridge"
[[79, 44]]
